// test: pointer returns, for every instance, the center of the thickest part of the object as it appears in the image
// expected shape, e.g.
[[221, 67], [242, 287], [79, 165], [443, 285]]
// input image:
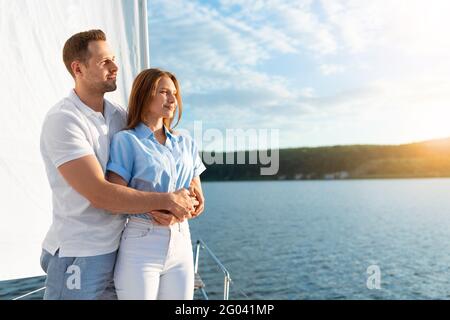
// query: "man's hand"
[[164, 218], [196, 191], [181, 205]]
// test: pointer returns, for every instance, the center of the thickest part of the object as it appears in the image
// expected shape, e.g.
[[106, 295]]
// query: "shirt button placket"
[[173, 177]]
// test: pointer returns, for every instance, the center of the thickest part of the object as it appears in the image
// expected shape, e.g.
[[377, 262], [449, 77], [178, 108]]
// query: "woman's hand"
[[195, 189], [163, 218], [181, 204]]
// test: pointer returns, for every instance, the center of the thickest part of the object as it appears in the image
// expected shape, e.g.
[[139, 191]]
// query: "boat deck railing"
[[199, 283], [28, 294]]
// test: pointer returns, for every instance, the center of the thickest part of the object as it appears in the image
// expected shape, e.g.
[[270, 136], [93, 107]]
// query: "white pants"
[[155, 262]]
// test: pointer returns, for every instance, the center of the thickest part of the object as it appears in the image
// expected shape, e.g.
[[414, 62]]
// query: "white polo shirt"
[[72, 130]]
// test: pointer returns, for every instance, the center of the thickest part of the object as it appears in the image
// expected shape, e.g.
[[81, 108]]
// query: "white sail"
[[32, 79]]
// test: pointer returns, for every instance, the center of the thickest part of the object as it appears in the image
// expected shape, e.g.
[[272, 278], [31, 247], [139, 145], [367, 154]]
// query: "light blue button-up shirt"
[[147, 165]]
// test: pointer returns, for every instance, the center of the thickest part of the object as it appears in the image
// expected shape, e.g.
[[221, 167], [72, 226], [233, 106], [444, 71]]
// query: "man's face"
[[100, 71]]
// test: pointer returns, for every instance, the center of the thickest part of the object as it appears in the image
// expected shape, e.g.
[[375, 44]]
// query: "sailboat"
[[33, 79]]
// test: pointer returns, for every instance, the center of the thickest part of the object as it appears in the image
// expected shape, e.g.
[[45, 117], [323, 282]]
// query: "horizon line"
[[336, 145]]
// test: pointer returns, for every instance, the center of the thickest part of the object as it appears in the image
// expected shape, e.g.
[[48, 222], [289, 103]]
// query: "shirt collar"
[[171, 135], [144, 132], [108, 108]]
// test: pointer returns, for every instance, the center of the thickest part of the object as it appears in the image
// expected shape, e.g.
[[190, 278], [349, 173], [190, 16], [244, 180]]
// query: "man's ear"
[[76, 67]]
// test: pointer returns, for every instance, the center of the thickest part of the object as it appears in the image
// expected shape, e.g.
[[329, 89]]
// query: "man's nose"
[[114, 67]]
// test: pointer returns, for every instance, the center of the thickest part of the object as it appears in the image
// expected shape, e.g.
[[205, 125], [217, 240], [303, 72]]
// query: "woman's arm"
[[196, 190]]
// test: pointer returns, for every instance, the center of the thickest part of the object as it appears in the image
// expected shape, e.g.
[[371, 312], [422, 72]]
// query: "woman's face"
[[164, 103]]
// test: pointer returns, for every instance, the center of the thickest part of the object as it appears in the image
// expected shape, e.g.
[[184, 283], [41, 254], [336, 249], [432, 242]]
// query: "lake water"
[[316, 239]]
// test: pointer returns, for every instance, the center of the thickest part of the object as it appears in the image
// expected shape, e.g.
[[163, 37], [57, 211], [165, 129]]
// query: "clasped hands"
[[193, 206]]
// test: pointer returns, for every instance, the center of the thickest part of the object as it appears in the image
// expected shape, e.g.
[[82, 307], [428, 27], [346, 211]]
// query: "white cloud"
[[330, 69], [307, 92], [295, 20], [411, 26], [220, 54], [215, 56], [386, 111]]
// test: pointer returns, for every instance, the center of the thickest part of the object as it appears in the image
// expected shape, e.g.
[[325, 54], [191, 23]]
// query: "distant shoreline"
[[347, 179], [424, 160]]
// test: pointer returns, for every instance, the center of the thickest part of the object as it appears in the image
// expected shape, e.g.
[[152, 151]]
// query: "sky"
[[321, 72]]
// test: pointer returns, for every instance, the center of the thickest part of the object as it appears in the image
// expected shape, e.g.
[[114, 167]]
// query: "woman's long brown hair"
[[142, 93]]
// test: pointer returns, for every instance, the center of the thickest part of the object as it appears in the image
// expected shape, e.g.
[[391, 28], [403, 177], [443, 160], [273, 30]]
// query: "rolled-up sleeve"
[[199, 167], [121, 155]]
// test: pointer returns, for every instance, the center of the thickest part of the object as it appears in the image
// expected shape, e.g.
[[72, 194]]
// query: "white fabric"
[[70, 131], [155, 262], [33, 79]]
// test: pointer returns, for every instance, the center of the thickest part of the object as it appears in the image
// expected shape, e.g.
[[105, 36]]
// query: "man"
[[80, 248]]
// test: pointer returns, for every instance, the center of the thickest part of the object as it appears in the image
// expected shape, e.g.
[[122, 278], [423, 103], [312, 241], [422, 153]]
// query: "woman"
[[155, 255]]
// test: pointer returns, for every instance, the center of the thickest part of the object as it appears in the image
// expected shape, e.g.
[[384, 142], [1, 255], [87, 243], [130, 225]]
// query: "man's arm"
[[85, 175], [164, 218]]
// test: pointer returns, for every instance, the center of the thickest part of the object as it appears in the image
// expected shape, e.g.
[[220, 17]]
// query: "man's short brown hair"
[[76, 47]]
